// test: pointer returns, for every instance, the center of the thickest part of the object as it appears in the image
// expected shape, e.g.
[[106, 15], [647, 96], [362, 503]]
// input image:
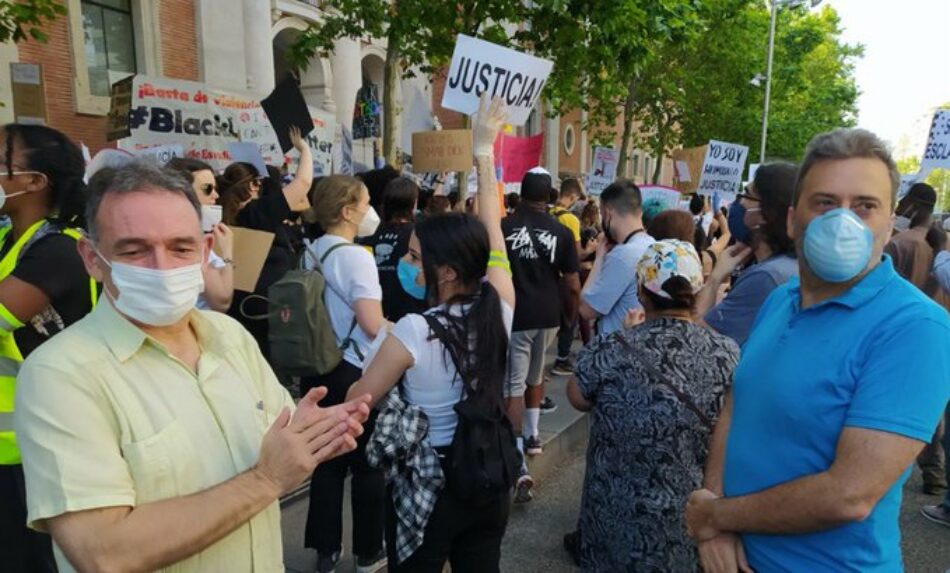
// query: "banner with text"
[[479, 66], [722, 169], [937, 152], [204, 121], [603, 170], [442, 150]]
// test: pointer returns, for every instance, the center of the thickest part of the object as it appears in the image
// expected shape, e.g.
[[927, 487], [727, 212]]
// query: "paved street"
[[533, 541]]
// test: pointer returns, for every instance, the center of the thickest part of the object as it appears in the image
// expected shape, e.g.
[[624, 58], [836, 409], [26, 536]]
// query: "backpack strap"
[[348, 339], [680, 395]]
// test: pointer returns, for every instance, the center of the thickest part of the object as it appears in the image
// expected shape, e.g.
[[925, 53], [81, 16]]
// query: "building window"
[[636, 165], [569, 139], [109, 43], [646, 169]]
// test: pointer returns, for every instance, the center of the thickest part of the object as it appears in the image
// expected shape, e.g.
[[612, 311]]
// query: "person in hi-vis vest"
[[44, 288]]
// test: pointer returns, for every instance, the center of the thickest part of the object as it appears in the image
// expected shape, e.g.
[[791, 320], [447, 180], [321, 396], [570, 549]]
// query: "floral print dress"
[[647, 449]]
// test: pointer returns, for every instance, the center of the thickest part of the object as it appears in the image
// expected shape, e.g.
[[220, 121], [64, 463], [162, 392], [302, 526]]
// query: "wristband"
[[500, 260]]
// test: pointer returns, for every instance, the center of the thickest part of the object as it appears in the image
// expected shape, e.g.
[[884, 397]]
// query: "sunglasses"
[[209, 189], [747, 197]]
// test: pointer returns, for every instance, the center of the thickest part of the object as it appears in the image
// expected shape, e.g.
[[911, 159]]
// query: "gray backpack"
[[302, 341]]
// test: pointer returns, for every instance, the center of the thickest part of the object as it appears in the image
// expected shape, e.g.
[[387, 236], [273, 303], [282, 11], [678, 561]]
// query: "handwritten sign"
[[445, 150], [659, 198], [937, 152], [603, 170], [479, 66], [117, 122], [722, 169]]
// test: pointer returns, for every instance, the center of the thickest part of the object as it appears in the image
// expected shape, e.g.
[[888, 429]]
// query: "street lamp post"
[[768, 80], [774, 4]]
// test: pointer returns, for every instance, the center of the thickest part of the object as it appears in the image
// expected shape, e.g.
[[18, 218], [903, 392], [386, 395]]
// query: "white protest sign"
[[937, 152], [722, 169], [479, 66], [603, 170], [161, 153], [682, 171], [659, 198]]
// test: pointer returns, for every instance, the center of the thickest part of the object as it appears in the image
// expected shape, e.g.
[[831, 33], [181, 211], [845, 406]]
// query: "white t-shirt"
[[351, 275], [430, 383], [215, 262]]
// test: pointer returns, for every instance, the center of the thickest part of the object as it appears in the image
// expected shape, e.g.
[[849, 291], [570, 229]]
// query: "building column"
[[258, 47], [345, 66], [585, 168], [552, 141], [221, 53]]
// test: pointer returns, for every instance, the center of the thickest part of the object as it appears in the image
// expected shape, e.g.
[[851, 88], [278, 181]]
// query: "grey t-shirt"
[[736, 313], [614, 290]]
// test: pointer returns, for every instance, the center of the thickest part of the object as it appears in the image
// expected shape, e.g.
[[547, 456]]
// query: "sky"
[[904, 72]]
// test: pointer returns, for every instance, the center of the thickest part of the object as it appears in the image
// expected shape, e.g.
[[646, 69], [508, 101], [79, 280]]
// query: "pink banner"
[[516, 155]]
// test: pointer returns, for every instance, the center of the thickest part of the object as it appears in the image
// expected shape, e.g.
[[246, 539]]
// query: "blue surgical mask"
[[837, 245], [737, 224], [407, 278]]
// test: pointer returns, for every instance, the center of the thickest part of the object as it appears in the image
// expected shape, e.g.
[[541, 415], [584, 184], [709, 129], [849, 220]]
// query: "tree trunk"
[[391, 75], [627, 137]]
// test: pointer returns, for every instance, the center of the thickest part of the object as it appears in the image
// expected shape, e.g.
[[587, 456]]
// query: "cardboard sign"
[[285, 107], [603, 169], [120, 106], [479, 66], [161, 153], [689, 163], [250, 252], [446, 150], [937, 152], [516, 155], [248, 152], [29, 95], [722, 169]]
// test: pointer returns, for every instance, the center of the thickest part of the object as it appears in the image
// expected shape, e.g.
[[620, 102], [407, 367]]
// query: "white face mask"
[[157, 297], [4, 195], [369, 224], [901, 223]]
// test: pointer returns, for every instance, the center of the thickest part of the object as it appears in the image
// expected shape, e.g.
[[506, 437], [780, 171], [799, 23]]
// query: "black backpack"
[[484, 459]]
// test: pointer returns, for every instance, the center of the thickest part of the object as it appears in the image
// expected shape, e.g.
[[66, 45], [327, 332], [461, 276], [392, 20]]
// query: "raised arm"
[[490, 119], [297, 190]]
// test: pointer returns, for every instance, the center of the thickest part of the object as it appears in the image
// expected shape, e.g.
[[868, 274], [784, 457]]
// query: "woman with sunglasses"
[[44, 288], [759, 227], [219, 273], [244, 205]]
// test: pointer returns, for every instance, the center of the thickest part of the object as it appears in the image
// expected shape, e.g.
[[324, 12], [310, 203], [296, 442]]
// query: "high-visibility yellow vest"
[[10, 356]]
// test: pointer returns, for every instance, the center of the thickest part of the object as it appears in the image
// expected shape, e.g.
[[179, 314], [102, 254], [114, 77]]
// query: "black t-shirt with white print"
[[541, 250]]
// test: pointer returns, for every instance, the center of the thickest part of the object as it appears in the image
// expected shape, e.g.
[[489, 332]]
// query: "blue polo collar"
[[856, 296]]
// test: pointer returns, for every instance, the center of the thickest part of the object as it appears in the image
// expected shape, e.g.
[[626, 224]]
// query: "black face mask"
[[605, 225]]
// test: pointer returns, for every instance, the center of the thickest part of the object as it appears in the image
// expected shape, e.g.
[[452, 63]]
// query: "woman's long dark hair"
[[476, 341], [234, 187], [51, 153]]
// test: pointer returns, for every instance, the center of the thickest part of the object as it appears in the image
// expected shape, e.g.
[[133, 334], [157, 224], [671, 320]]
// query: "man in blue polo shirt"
[[840, 385]]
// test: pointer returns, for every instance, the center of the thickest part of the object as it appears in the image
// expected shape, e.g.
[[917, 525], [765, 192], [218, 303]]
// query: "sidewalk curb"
[[559, 447]]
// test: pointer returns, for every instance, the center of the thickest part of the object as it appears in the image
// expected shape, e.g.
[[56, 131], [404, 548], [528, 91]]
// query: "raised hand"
[[489, 121]]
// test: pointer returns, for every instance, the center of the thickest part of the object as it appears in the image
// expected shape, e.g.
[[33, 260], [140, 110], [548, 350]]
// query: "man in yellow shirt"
[[571, 193], [154, 435]]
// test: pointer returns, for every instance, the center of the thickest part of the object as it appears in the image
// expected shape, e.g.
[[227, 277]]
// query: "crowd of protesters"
[[760, 378]]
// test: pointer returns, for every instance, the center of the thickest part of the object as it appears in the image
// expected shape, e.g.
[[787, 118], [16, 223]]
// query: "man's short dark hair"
[[572, 187], [536, 187], [136, 175], [918, 204], [775, 185], [623, 196], [399, 199]]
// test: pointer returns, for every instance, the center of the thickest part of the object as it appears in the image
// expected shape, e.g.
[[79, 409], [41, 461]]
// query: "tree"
[[601, 52], [420, 36], [813, 85], [22, 20]]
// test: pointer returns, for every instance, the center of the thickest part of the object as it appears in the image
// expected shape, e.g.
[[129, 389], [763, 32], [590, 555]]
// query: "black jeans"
[[22, 550], [368, 487], [565, 337], [468, 537]]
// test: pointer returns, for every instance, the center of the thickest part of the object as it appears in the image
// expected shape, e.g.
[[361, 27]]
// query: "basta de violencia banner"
[[204, 121]]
